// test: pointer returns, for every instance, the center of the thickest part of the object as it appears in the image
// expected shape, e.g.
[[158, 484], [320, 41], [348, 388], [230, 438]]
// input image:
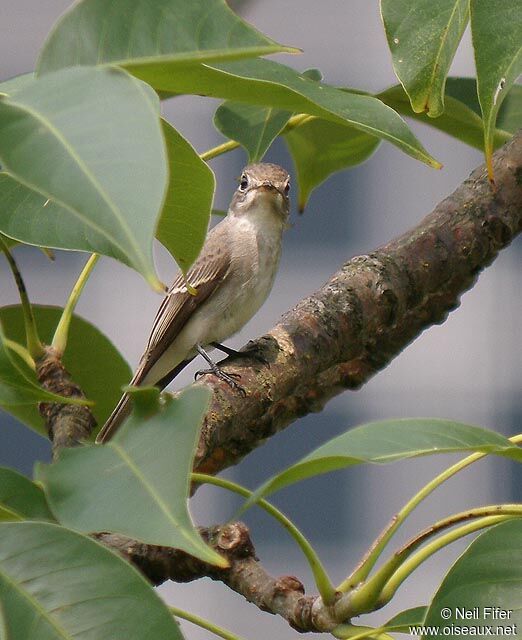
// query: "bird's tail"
[[121, 411], [124, 406]]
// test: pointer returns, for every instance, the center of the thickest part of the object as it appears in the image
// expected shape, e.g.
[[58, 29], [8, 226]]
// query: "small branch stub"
[[68, 425]]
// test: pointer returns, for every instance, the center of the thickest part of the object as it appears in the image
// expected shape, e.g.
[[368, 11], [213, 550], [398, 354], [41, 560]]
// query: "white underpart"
[[255, 242]]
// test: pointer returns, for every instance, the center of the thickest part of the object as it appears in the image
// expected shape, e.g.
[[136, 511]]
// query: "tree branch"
[[284, 596], [68, 425], [365, 315]]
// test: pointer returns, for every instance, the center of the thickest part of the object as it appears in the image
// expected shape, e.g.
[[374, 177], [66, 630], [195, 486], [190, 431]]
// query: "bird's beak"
[[268, 186]]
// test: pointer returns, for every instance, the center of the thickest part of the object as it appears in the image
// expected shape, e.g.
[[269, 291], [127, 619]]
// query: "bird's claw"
[[252, 351], [229, 378]]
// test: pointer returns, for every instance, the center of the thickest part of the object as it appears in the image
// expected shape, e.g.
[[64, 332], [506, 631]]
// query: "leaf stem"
[[61, 334], [370, 593], [34, 345], [488, 152], [367, 563], [230, 145], [21, 351], [205, 624], [356, 632], [322, 581], [423, 554], [451, 521]]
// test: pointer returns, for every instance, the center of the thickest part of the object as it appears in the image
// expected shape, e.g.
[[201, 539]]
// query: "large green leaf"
[[100, 377], [496, 29], [183, 223], [172, 32], [21, 499], [405, 619], [320, 148], [486, 578], [56, 584], [423, 37], [401, 623], [268, 83], [253, 126], [18, 383], [85, 162], [7, 87], [459, 119], [138, 483], [388, 441]]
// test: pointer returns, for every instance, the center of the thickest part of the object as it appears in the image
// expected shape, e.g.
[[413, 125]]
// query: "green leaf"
[[459, 119], [173, 33], [56, 584], [497, 42], [7, 87], [405, 619], [509, 117], [8, 242], [100, 377], [401, 623], [270, 84], [146, 401], [254, 127], [487, 575], [183, 223], [85, 162], [320, 148], [138, 483], [21, 498], [18, 383], [388, 441], [423, 37], [313, 74], [464, 90], [510, 113]]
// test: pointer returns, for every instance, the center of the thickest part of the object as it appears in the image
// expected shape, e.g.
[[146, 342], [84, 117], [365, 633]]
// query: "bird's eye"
[[287, 188], [243, 184]]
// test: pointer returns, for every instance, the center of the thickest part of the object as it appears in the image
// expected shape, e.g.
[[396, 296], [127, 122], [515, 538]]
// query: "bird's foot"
[[229, 378], [253, 350]]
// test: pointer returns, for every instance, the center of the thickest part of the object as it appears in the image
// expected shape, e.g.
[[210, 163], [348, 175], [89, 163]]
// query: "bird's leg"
[[217, 371], [251, 351], [228, 350]]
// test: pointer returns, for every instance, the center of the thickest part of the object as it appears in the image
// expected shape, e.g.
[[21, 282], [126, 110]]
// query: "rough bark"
[[284, 595], [68, 425]]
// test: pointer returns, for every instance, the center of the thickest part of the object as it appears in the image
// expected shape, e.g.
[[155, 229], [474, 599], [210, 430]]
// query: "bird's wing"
[[205, 276]]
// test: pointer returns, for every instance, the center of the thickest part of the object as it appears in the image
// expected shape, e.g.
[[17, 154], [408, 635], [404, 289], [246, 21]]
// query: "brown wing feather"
[[205, 276]]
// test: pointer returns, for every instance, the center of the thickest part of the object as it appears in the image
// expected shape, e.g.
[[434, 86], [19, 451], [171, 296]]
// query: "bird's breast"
[[256, 250]]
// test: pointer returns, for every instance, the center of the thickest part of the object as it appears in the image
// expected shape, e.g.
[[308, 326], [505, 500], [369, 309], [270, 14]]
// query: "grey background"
[[467, 369]]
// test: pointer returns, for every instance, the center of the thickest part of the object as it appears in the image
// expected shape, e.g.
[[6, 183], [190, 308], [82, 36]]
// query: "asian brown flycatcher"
[[227, 284]]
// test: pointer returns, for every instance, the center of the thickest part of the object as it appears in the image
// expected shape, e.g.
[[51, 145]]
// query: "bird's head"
[[262, 187]]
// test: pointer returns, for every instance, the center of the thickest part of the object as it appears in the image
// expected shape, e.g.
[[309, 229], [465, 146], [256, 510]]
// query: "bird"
[[222, 291]]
